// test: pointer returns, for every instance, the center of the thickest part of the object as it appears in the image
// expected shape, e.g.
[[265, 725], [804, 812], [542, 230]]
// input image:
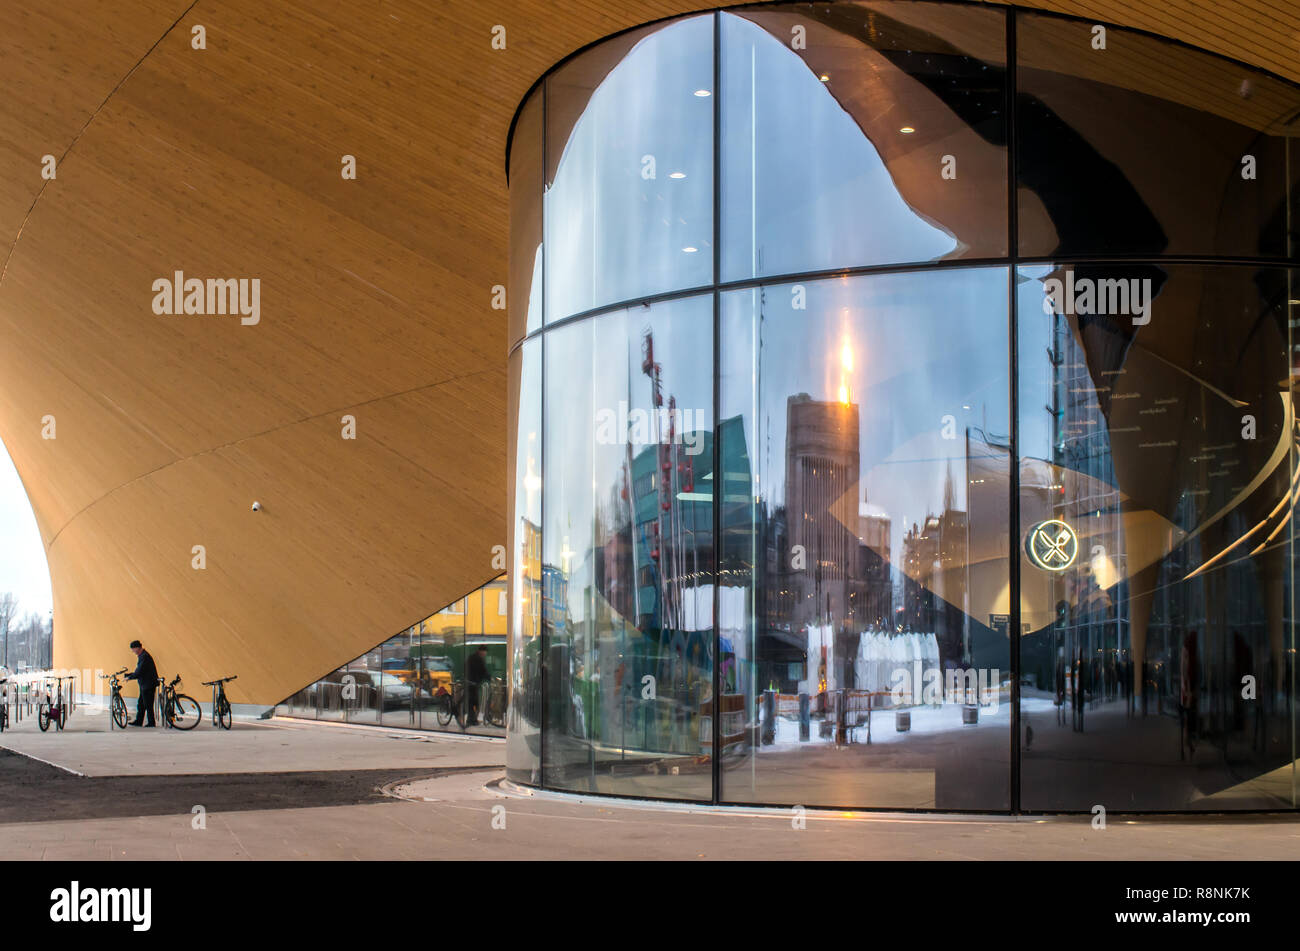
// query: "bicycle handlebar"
[[213, 683]]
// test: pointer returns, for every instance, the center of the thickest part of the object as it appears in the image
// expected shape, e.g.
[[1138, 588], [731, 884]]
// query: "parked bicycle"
[[450, 703], [179, 710], [53, 709], [222, 715], [116, 705]]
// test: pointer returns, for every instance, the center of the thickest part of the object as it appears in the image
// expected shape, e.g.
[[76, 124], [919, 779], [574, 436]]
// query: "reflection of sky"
[[612, 234], [1035, 341], [923, 346], [22, 556], [798, 162]]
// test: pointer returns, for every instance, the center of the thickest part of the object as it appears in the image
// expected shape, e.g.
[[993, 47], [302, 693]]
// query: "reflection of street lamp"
[[846, 369]]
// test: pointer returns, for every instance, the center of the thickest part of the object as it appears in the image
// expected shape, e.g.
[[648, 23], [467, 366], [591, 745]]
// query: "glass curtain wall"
[[998, 451], [416, 679]]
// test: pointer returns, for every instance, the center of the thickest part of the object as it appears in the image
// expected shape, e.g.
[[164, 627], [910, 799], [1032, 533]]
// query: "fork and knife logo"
[[1052, 545]]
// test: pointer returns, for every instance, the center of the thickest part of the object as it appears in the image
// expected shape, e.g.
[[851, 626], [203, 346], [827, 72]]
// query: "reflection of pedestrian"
[[1060, 686], [1189, 696], [1077, 691], [1242, 658], [477, 674]]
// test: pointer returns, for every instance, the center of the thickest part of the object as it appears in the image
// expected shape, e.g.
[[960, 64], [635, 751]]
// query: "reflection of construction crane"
[[661, 528], [674, 472]]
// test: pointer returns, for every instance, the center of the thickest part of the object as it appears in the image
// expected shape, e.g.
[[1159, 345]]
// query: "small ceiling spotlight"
[[257, 506], [690, 249], [824, 78], [907, 130], [703, 93], [677, 175]]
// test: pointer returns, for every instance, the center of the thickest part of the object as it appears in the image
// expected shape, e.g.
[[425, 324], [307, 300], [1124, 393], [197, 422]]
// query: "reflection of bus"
[[430, 669]]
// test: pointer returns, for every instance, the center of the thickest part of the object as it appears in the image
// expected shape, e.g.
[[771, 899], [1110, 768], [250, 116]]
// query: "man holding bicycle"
[[146, 675]]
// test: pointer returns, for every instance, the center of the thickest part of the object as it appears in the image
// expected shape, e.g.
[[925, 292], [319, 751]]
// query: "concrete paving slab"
[[86, 746], [461, 823]]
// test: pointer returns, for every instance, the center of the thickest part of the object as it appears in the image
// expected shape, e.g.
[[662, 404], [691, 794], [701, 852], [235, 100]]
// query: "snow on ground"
[[925, 719]]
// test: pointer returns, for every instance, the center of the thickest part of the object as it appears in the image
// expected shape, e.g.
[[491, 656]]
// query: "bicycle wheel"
[[442, 706], [43, 717], [186, 712], [63, 714], [225, 718], [119, 712]]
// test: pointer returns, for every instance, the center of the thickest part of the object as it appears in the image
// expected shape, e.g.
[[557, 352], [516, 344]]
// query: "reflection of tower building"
[[821, 467], [920, 559], [1094, 630], [821, 473], [936, 559], [874, 567]]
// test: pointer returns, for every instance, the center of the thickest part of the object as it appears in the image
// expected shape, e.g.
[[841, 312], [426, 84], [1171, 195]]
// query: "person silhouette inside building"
[[477, 675]]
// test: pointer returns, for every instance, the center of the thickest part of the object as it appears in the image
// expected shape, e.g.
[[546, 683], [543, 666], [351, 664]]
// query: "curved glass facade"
[[902, 416]]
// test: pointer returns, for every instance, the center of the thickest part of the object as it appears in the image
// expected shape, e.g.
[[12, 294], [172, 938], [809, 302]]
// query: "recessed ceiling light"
[[703, 93], [690, 250], [824, 78], [677, 175], [907, 130]]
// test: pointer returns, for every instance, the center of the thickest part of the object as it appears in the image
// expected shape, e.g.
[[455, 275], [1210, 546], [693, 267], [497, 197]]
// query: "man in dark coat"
[[476, 674], [146, 675]]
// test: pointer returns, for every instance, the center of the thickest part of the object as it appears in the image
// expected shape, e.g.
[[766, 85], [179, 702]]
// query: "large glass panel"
[[629, 202], [628, 551], [523, 736], [1157, 439], [1146, 147], [524, 297], [397, 682], [865, 601], [860, 134]]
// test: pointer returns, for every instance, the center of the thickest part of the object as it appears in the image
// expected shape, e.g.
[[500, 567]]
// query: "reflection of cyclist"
[[476, 673], [146, 675]]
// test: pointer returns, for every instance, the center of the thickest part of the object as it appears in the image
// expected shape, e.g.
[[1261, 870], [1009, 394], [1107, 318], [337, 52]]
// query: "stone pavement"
[[428, 814]]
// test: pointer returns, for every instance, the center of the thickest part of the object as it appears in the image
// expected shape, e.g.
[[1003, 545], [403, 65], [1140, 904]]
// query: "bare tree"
[[8, 612]]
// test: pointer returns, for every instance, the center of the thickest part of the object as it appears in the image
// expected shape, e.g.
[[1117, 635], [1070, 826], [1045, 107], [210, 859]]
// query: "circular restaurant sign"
[[1052, 545]]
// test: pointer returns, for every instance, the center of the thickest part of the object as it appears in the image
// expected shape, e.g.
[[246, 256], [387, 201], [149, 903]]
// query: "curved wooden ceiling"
[[376, 293]]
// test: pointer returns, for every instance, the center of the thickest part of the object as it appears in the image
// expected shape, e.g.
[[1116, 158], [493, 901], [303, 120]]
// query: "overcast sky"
[[22, 556]]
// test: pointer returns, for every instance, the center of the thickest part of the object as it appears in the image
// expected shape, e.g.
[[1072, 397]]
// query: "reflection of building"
[[529, 589], [935, 578], [826, 554], [876, 463]]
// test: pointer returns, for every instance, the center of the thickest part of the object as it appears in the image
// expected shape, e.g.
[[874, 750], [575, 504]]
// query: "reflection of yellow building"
[[482, 613], [529, 563]]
